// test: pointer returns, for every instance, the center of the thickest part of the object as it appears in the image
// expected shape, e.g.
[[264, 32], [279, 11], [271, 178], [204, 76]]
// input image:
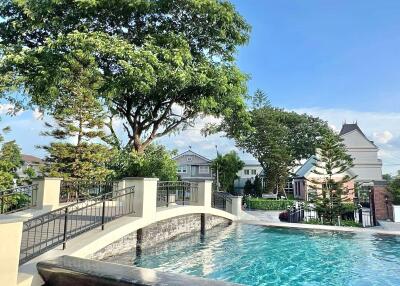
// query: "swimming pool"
[[256, 255]]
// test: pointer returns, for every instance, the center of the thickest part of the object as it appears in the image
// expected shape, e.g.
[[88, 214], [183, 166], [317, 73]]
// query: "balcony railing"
[[221, 200], [81, 190], [17, 199], [54, 228], [179, 192]]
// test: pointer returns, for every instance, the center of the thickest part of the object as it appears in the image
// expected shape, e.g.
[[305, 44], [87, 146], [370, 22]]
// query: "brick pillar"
[[383, 206]]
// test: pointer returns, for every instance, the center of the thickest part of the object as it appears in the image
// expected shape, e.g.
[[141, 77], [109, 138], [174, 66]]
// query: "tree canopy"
[[278, 139], [162, 62], [227, 167], [156, 162]]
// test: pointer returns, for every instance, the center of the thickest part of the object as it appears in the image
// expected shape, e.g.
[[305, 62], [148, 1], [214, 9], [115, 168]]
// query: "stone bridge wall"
[[159, 232]]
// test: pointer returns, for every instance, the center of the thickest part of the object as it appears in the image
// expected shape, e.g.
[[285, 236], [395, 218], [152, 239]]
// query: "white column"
[[145, 199], [10, 243], [48, 193], [236, 205], [204, 194]]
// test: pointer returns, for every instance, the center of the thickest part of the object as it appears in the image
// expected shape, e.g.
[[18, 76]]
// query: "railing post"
[[10, 237], [2, 205], [167, 195], [103, 213], [203, 224], [184, 189], [360, 215], [48, 192], [65, 228]]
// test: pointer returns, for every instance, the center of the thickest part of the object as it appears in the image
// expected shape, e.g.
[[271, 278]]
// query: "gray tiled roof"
[[346, 128]]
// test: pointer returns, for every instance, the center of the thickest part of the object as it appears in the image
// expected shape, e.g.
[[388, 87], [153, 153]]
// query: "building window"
[[204, 169], [247, 172], [254, 172], [189, 159], [182, 170]]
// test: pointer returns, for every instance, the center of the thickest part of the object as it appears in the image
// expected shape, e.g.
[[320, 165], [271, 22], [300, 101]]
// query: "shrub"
[[269, 205], [350, 223]]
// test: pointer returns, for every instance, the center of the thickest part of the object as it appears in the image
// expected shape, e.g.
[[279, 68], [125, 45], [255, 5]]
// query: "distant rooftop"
[[31, 159], [347, 127]]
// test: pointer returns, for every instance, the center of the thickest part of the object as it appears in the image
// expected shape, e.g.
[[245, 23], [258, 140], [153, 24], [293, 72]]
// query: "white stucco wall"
[[367, 166]]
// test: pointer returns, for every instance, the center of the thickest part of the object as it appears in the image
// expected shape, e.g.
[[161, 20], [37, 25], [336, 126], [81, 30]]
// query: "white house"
[[249, 172], [364, 152], [367, 166], [30, 161]]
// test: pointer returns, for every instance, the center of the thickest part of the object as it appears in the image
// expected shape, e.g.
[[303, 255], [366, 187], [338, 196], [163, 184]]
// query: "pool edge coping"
[[303, 226]]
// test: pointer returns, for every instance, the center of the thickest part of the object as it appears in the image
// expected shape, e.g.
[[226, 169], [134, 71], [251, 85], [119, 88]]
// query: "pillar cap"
[[4, 219], [48, 179], [141, 178]]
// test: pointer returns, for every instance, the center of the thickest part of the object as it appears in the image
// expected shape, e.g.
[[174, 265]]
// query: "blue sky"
[[335, 59]]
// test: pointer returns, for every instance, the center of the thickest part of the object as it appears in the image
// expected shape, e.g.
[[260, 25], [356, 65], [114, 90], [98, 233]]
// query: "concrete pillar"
[[145, 199], [48, 193], [236, 205], [10, 243], [204, 194]]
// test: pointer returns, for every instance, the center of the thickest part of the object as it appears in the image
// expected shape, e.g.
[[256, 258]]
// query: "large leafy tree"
[[278, 139], [163, 62], [227, 167], [155, 161], [332, 166]]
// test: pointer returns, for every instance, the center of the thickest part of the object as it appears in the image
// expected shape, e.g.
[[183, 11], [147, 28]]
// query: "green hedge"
[[268, 204]]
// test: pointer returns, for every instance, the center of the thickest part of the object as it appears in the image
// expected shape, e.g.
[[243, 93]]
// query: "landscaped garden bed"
[[267, 204]]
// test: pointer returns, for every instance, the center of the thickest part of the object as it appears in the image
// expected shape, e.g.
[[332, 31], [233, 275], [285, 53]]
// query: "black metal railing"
[[80, 190], [176, 192], [17, 199], [221, 200], [308, 214], [54, 228]]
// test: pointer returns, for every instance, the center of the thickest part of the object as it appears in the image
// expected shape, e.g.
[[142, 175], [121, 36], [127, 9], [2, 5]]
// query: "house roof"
[[306, 168], [31, 159], [347, 128], [309, 165], [190, 152]]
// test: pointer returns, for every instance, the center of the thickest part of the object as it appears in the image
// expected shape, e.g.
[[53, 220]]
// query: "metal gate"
[[365, 212]]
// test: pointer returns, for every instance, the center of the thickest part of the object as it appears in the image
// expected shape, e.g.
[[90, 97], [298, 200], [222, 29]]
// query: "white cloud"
[[8, 108], [37, 114], [383, 137]]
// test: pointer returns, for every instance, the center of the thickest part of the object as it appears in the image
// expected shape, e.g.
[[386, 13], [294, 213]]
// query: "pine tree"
[[79, 122], [332, 166]]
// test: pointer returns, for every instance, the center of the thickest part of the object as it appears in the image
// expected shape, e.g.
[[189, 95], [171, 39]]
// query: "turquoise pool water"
[[256, 255]]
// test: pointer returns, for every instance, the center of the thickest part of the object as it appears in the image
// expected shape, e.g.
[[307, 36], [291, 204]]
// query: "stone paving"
[[269, 216], [389, 225]]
